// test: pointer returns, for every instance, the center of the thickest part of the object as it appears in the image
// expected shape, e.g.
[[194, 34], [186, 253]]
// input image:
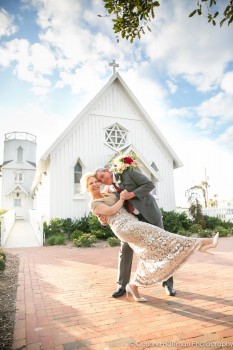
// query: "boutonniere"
[[120, 163]]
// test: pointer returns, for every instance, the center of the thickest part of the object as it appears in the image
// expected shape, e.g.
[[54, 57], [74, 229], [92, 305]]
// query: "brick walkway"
[[64, 302]]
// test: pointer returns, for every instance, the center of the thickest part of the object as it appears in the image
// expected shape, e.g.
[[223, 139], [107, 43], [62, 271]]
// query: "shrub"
[[186, 223], [2, 254], [211, 222], [113, 241], [2, 263], [102, 233], [2, 260], [205, 233], [195, 228], [76, 234], [55, 227], [82, 224], [223, 232], [171, 221], [68, 227], [56, 240], [86, 240], [3, 211], [184, 232], [94, 223]]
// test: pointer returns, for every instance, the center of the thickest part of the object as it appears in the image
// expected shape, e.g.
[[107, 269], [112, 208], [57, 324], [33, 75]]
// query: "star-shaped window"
[[116, 136]]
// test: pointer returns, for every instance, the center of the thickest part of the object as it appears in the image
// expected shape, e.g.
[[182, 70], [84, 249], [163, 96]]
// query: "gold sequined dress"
[[160, 253]]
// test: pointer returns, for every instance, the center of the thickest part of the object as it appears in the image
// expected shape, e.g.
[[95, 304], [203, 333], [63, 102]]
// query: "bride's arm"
[[106, 210]]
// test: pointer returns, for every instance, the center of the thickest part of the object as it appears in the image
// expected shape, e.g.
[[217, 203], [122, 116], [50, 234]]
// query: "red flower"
[[128, 160]]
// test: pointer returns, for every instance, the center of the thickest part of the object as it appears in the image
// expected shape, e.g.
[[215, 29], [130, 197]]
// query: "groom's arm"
[[143, 185]]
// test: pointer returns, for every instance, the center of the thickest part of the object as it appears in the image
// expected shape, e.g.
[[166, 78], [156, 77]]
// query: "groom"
[[135, 188]]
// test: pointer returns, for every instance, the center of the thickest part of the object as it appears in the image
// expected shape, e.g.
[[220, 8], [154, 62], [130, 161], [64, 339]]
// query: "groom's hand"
[[127, 195]]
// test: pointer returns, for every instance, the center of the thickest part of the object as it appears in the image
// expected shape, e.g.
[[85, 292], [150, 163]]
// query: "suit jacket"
[[144, 202]]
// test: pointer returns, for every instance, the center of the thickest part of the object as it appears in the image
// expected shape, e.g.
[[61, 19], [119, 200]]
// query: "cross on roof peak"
[[113, 64]]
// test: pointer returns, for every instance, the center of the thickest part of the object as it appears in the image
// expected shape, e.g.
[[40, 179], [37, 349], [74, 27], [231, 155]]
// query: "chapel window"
[[18, 177], [153, 165], [154, 192], [78, 170], [20, 154], [116, 136], [17, 202]]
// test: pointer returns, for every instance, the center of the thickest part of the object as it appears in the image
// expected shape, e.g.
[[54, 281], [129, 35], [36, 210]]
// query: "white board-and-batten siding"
[[84, 140]]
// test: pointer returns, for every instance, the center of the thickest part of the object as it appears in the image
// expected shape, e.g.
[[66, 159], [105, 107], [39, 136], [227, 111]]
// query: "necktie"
[[118, 189], [128, 206]]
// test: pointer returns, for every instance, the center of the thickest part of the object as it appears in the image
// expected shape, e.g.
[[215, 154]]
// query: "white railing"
[[225, 214], [7, 222], [36, 221]]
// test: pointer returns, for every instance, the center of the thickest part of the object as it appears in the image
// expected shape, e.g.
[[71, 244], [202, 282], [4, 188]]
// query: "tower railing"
[[20, 135]]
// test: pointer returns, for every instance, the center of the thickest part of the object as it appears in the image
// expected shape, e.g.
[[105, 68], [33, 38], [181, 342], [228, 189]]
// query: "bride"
[[159, 252]]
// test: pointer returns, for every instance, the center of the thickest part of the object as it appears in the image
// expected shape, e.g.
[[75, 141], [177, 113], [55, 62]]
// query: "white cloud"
[[210, 114], [171, 86], [189, 47], [32, 62], [227, 83], [227, 137], [220, 105], [149, 92], [7, 27]]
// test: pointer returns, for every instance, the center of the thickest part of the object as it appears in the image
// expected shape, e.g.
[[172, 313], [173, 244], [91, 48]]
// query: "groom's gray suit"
[[145, 203]]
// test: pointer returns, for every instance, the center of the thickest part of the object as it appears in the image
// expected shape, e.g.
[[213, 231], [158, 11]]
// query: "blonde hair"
[[84, 180]]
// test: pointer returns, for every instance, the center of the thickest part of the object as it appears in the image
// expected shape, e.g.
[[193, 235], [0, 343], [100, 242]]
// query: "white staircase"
[[21, 235]]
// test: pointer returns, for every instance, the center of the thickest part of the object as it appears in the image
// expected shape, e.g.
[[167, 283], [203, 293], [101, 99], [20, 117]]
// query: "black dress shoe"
[[169, 290], [118, 293]]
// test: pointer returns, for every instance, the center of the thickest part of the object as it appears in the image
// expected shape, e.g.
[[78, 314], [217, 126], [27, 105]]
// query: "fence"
[[225, 214], [36, 221], [7, 222]]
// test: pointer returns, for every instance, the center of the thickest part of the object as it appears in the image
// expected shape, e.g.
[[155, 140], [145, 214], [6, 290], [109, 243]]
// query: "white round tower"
[[18, 171]]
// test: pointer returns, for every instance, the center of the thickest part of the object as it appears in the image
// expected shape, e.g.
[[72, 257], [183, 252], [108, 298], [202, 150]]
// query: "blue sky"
[[54, 57]]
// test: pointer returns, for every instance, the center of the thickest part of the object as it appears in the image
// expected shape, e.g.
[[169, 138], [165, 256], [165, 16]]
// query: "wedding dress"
[[160, 253]]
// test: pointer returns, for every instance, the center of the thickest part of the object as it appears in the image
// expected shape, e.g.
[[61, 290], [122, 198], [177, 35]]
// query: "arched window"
[[154, 180], [153, 165], [78, 170], [116, 136], [20, 154]]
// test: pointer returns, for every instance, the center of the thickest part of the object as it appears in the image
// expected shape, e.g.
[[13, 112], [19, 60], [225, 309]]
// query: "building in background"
[[18, 172], [114, 121]]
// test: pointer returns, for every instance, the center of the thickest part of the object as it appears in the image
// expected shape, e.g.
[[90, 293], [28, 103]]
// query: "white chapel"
[[114, 121]]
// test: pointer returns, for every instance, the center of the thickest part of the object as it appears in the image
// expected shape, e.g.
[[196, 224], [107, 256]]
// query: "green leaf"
[[192, 13], [230, 21], [222, 21]]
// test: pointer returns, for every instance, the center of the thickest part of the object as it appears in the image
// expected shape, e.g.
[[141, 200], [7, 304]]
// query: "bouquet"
[[120, 163]]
